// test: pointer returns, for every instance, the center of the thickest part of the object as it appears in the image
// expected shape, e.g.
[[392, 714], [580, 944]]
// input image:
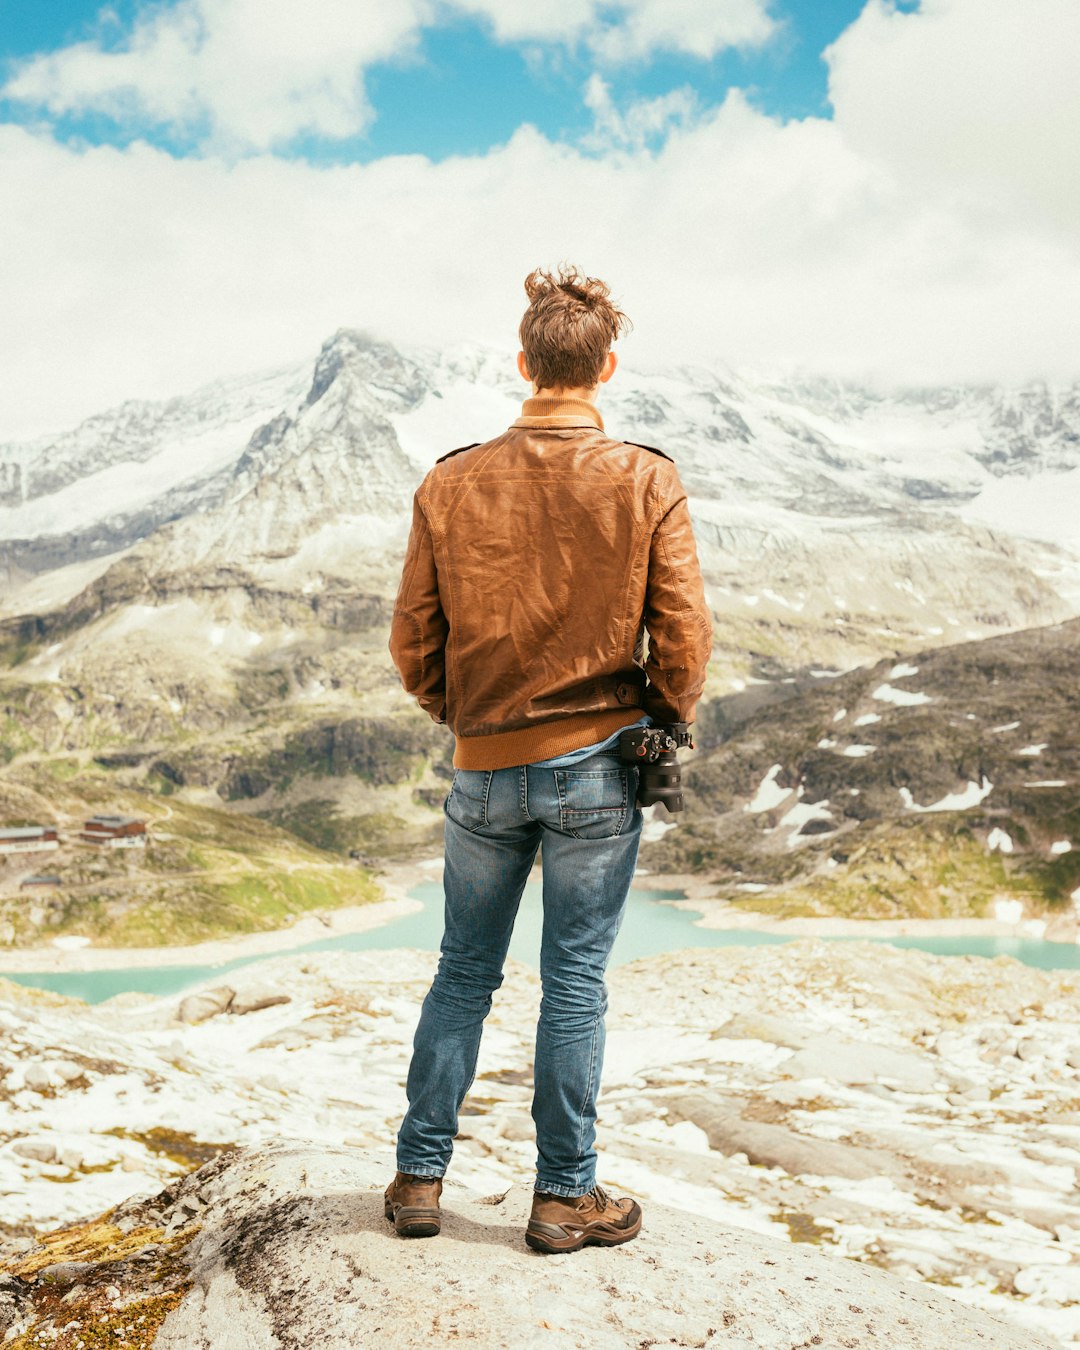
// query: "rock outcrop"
[[285, 1247], [941, 786], [912, 1113]]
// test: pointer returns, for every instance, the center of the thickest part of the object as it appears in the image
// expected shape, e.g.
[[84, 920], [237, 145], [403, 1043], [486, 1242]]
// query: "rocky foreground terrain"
[[853, 1112], [285, 1247]]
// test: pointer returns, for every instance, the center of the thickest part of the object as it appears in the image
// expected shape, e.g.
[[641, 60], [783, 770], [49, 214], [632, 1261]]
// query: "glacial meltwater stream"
[[649, 927]]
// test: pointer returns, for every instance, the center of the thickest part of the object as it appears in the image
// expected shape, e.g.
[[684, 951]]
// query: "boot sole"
[[414, 1220], [550, 1239]]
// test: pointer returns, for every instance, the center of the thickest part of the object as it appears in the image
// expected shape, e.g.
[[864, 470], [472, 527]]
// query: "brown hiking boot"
[[412, 1204], [564, 1224]]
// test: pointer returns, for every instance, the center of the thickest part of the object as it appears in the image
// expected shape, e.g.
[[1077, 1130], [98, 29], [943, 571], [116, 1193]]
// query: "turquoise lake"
[[648, 928]]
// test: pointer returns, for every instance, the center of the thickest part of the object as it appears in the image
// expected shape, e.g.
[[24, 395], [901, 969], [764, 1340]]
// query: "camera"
[[653, 750]]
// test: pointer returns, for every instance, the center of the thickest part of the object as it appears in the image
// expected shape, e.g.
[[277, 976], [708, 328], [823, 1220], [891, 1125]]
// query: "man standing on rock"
[[535, 563]]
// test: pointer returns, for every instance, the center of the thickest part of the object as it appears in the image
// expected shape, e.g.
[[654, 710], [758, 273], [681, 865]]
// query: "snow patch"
[[1032, 749], [901, 697], [901, 669], [867, 718], [1008, 911], [999, 840], [1061, 846], [972, 795], [839, 714], [800, 813], [1040, 506], [653, 826], [769, 792], [1006, 726], [780, 600], [858, 751]]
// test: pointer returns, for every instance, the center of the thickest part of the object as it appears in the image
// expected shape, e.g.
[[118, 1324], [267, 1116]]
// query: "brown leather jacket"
[[535, 562]]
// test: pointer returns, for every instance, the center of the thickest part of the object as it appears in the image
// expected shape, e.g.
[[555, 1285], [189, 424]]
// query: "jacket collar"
[[559, 412]]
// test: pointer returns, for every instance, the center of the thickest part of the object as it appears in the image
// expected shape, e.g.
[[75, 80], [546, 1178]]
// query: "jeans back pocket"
[[466, 803], [592, 802]]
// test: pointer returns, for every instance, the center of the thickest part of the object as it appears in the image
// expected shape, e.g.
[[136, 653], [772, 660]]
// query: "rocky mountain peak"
[[360, 359]]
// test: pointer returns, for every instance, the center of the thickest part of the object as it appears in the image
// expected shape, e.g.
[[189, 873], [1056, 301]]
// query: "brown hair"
[[568, 328]]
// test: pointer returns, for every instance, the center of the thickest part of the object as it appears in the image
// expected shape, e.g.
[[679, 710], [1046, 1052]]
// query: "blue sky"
[[195, 189], [461, 91]]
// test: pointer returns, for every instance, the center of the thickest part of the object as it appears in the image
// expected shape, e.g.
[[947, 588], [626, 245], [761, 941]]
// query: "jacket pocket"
[[593, 802], [467, 800]]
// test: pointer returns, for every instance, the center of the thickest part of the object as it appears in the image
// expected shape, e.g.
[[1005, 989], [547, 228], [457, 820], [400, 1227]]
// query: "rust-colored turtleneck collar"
[[552, 411]]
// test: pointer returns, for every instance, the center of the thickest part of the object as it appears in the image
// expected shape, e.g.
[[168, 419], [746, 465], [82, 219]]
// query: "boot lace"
[[600, 1197]]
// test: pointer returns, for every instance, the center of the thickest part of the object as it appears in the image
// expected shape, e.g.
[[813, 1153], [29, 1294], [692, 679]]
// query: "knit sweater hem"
[[545, 740]]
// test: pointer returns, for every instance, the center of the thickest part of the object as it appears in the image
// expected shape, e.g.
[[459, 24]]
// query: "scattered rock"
[[39, 1150], [255, 1000], [1032, 1048], [517, 1128], [66, 1272], [37, 1078], [207, 1003], [842, 1061], [769, 1145]]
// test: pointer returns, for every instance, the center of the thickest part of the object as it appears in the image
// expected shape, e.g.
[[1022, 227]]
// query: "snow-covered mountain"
[[119, 474], [251, 523], [263, 459], [198, 593]]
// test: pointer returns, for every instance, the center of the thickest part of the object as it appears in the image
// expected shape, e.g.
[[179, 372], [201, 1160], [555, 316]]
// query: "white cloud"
[[973, 101], [697, 27], [241, 75], [820, 244], [246, 73], [629, 30], [642, 123]]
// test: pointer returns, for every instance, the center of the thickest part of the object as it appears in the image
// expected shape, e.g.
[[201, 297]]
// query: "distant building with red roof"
[[28, 838], [114, 831]]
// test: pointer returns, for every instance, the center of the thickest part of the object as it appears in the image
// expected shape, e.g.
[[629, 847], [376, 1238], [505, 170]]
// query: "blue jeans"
[[589, 826]]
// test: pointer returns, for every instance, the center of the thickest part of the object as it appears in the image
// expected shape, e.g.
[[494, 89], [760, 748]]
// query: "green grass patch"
[[63, 770], [918, 872], [215, 874], [170, 913]]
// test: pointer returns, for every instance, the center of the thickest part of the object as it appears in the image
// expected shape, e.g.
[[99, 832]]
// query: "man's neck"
[[588, 395]]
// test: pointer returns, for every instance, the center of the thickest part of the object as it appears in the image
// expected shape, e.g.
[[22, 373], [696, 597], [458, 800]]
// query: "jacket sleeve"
[[676, 615], [419, 626]]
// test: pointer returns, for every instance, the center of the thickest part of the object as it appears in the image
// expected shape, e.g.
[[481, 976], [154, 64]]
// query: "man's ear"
[[523, 369], [608, 368]]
